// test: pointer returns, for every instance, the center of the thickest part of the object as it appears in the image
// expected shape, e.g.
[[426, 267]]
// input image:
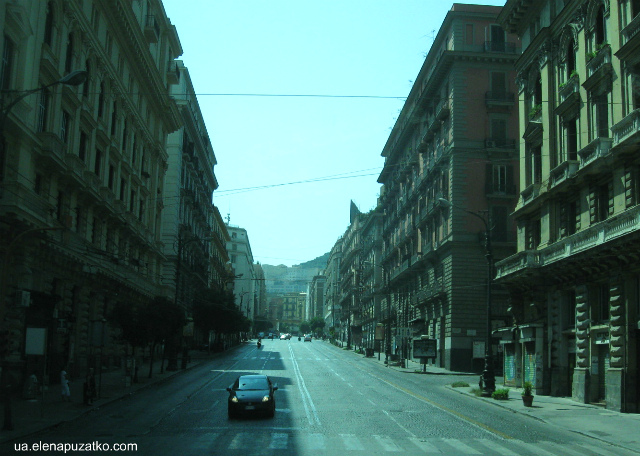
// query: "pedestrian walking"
[[64, 386], [89, 387]]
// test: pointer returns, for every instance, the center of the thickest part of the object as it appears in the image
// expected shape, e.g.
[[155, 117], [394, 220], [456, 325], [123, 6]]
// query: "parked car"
[[252, 394], [307, 337]]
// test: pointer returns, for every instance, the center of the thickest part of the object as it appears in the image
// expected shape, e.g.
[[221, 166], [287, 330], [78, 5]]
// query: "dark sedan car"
[[252, 393]]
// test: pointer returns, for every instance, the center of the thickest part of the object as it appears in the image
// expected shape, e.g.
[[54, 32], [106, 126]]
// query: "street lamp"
[[488, 375]]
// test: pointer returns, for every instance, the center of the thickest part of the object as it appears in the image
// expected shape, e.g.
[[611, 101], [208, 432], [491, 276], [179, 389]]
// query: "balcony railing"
[[151, 29], [597, 148], [500, 46], [627, 128], [594, 236]]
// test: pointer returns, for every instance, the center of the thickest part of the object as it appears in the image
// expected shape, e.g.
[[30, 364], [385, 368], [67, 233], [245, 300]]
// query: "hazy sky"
[[288, 166]]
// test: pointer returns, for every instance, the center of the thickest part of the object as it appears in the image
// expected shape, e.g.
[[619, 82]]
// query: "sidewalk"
[[31, 416], [615, 428]]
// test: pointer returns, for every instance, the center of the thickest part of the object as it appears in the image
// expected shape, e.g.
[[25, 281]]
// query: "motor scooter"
[[259, 343], [299, 339]]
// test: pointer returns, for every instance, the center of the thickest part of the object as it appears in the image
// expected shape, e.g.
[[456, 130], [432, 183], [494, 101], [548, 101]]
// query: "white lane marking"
[[387, 443], [237, 442], [351, 442], [309, 406], [399, 425]]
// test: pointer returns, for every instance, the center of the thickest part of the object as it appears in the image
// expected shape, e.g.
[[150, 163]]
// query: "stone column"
[[581, 374], [615, 376]]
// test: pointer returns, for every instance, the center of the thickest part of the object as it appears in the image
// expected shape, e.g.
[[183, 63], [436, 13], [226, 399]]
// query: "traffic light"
[[4, 343]]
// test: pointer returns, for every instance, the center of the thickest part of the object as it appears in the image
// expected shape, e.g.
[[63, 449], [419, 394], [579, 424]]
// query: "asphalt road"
[[329, 402]]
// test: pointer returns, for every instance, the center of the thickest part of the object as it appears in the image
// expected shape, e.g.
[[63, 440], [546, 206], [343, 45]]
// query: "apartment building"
[[371, 281], [449, 169], [239, 249], [575, 280], [331, 310], [316, 297], [81, 171], [193, 233]]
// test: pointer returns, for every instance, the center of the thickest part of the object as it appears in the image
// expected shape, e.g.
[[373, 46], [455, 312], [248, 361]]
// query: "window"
[[48, 24], [68, 62], [498, 85], [534, 166], [499, 223], [571, 59], [601, 107], [601, 27], [43, 108], [500, 179], [132, 200], [112, 173], [599, 298], [468, 35], [123, 186], [97, 166], [532, 232], [571, 133], [570, 310], [82, 149], [600, 202], [114, 118], [64, 127], [101, 100], [497, 38], [85, 86], [8, 54]]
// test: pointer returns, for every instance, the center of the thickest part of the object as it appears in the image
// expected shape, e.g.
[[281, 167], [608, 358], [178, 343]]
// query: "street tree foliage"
[[216, 310], [315, 325], [147, 324]]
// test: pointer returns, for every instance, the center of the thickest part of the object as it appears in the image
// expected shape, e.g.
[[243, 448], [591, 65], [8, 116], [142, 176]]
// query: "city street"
[[329, 401]]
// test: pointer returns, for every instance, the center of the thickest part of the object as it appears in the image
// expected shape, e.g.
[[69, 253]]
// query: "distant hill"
[[320, 262], [284, 279]]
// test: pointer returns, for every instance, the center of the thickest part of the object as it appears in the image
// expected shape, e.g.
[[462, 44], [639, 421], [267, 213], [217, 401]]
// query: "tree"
[[317, 325], [165, 319]]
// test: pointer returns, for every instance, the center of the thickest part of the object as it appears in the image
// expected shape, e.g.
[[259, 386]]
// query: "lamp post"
[[72, 79], [488, 374]]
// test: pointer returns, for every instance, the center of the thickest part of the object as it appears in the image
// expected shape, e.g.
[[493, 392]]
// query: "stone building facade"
[[575, 281]]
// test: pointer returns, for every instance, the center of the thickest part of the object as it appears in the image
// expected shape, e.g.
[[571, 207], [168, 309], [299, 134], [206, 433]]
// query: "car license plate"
[[250, 407]]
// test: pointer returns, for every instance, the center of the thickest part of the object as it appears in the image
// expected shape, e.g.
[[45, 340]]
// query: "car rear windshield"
[[252, 384]]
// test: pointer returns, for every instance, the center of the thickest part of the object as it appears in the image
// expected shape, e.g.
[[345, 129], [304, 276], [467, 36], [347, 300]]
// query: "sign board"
[[425, 348], [403, 332], [478, 349], [36, 341], [379, 332]]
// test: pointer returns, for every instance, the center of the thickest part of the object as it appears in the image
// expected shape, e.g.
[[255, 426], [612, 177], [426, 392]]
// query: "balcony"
[[596, 149], [173, 72], [530, 193], [599, 69], [630, 40], [53, 149], [626, 133], [563, 172], [500, 46], [443, 109], [75, 167], [607, 231], [569, 93], [495, 98], [151, 29]]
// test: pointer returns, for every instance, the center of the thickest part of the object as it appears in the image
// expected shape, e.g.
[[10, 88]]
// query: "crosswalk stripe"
[[351, 442], [387, 443], [316, 441], [424, 445], [558, 449], [457, 444], [497, 447], [204, 441], [279, 441], [237, 441]]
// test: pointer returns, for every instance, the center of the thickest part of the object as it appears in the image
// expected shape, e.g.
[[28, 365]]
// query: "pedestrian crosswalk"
[[287, 441]]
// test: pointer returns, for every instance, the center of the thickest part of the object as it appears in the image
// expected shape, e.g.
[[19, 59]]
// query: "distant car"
[[283, 337], [307, 337], [252, 394]]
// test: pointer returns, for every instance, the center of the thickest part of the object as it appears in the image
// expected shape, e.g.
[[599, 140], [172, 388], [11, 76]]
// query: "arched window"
[[571, 58], [48, 24]]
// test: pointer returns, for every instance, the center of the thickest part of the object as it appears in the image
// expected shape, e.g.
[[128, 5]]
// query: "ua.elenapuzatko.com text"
[[74, 447]]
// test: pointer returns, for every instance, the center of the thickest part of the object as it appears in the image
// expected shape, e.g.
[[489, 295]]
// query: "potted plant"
[[527, 396]]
